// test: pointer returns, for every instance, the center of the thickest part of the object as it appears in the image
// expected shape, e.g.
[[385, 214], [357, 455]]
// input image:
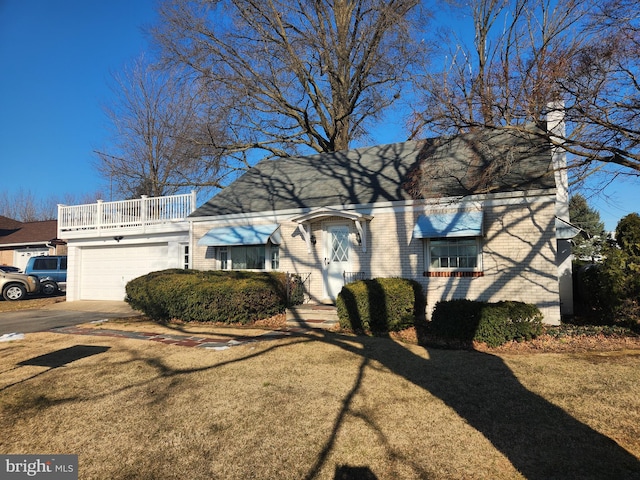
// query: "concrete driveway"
[[63, 314]]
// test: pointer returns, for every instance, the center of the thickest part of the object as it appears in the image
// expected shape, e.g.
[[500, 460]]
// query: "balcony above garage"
[[132, 217]]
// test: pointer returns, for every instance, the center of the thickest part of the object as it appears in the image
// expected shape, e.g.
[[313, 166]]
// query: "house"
[[474, 216], [482, 215], [20, 241]]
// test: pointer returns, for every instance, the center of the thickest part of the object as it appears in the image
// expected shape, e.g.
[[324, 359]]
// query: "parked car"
[[16, 286], [10, 269], [51, 271]]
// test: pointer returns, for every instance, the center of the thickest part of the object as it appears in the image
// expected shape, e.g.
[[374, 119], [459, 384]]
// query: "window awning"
[[451, 224], [241, 235], [324, 212]]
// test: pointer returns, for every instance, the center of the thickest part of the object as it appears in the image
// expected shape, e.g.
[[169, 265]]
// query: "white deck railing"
[[126, 213]]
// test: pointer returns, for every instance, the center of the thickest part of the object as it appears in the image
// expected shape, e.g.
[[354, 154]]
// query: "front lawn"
[[33, 302], [319, 405]]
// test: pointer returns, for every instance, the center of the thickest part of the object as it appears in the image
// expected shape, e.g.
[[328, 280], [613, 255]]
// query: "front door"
[[336, 260]]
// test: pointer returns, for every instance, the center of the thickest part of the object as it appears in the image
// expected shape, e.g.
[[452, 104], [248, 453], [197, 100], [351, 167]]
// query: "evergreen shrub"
[[208, 296], [380, 305], [609, 291], [491, 323]]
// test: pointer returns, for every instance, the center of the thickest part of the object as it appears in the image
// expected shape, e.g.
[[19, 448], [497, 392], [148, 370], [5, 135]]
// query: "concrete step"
[[311, 315]]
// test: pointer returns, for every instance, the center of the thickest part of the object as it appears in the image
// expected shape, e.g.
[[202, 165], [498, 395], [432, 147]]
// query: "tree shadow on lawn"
[[56, 359], [541, 440]]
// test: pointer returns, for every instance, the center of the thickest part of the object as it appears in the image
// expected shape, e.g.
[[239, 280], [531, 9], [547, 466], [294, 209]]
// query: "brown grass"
[[29, 304], [318, 405]]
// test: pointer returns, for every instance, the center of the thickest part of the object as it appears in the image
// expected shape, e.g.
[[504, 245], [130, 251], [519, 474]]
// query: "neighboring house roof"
[[8, 225], [490, 161], [27, 233]]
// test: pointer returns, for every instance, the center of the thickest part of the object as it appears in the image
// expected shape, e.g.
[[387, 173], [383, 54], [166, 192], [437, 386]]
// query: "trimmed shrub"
[[455, 319], [380, 305], [208, 296], [491, 323]]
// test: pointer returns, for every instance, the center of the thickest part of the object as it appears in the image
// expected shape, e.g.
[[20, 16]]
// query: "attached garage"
[[111, 243], [104, 272]]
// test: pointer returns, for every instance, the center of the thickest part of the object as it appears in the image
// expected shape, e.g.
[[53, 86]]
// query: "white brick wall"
[[518, 254]]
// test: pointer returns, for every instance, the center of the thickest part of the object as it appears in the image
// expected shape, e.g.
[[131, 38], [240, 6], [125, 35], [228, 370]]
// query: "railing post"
[[143, 210], [99, 209], [192, 207], [62, 220]]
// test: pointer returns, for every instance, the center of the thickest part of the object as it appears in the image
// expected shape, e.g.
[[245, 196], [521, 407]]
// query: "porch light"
[[313, 239], [358, 238]]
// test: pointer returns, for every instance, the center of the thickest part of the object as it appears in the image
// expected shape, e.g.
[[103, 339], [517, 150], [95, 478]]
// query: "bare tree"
[[288, 74], [603, 88], [526, 54], [161, 143], [24, 206]]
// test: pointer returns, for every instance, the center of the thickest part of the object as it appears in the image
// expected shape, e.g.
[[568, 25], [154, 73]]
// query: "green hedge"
[[208, 296], [491, 323], [380, 305]]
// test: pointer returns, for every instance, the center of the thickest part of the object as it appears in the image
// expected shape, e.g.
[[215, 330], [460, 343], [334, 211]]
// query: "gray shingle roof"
[[491, 161]]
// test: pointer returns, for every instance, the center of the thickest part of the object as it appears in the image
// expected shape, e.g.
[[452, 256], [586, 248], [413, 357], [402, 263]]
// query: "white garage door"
[[104, 272]]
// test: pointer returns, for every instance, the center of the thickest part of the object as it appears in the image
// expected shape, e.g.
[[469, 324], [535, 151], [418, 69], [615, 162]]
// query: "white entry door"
[[336, 261]]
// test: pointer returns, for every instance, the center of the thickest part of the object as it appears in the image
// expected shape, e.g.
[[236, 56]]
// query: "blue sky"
[[56, 57]]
